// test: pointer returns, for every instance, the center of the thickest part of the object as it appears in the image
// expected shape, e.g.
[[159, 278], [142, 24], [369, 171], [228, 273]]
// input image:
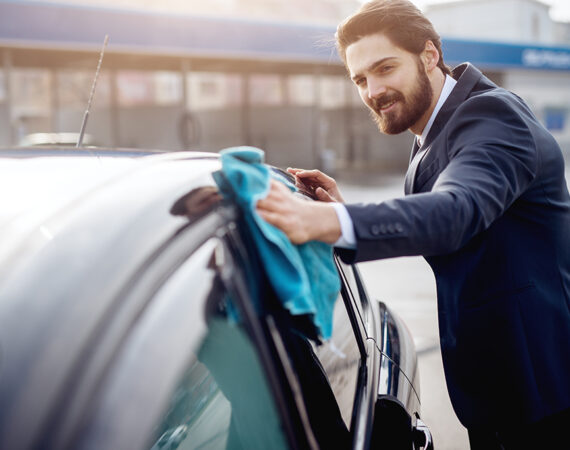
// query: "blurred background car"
[[135, 312], [55, 140]]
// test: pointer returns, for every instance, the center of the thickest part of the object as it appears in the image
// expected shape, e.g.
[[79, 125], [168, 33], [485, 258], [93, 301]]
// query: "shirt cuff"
[[347, 238]]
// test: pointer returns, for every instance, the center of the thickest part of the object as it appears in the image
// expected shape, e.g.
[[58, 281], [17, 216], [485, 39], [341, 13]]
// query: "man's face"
[[392, 83]]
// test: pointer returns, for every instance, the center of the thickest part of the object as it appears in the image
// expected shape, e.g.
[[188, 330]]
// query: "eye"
[[360, 82]]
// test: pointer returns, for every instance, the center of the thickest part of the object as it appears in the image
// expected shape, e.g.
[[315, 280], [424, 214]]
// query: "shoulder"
[[494, 122], [494, 102], [492, 113]]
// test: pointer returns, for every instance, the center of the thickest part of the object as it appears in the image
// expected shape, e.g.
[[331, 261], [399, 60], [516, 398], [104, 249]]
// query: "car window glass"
[[223, 400], [340, 358], [348, 274]]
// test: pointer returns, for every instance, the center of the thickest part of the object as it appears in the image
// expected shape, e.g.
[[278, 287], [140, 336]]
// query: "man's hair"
[[399, 20]]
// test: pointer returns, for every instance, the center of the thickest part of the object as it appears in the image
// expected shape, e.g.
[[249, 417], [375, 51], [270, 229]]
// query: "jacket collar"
[[468, 77]]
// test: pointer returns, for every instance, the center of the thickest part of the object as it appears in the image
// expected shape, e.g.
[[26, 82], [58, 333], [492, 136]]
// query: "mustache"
[[378, 103]]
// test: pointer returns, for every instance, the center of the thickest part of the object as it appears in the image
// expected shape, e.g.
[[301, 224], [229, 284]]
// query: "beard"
[[414, 106]]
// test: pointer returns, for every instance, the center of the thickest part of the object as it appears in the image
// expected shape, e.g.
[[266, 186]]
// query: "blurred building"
[[299, 11], [519, 46], [180, 80], [515, 21], [195, 74]]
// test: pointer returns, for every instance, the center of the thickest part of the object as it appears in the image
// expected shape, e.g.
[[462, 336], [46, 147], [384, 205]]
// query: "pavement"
[[407, 286]]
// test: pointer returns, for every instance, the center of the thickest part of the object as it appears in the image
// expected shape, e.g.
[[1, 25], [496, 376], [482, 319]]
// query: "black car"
[[135, 313]]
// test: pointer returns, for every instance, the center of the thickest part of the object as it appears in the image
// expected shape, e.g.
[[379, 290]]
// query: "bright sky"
[[559, 11]]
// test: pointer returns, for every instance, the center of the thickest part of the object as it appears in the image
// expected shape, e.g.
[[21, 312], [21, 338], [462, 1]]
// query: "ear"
[[430, 56]]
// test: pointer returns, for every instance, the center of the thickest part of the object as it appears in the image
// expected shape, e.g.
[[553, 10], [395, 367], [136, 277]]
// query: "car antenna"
[[86, 115]]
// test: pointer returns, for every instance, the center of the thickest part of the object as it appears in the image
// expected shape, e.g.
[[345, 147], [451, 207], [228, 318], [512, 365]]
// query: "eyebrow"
[[373, 66]]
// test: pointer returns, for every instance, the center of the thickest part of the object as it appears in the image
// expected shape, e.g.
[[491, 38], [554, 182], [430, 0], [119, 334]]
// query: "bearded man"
[[486, 204]]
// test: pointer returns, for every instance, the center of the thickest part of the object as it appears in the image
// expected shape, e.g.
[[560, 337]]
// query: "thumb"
[[323, 195]]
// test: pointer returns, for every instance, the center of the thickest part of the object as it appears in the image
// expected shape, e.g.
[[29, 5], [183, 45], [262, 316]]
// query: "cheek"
[[407, 85]]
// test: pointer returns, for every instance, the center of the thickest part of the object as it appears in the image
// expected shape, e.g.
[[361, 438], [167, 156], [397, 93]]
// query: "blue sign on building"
[[493, 55]]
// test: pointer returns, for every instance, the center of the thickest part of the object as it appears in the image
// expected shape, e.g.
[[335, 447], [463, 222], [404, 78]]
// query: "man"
[[487, 205]]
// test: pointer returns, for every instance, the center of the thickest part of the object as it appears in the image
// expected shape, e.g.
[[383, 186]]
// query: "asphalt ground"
[[407, 286]]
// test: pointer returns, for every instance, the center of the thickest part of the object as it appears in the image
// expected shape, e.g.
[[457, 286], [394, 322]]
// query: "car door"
[[188, 373], [337, 378]]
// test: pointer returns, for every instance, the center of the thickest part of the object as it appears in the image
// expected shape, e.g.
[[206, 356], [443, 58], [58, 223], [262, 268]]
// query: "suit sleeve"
[[492, 161]]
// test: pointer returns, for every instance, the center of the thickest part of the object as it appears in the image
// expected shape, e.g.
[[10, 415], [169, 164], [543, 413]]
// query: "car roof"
[[75, 203], [42, 191]]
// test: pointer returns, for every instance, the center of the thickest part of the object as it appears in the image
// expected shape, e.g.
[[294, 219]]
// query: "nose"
[[376, 87]]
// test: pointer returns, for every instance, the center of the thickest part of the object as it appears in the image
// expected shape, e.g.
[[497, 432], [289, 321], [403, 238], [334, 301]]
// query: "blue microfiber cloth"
[[303, 276]]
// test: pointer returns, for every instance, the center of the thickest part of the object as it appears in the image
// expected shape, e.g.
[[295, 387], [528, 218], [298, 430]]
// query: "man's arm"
[[492, 161]]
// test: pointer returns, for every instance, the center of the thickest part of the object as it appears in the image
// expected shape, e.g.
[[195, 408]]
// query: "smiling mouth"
[[386, 106]]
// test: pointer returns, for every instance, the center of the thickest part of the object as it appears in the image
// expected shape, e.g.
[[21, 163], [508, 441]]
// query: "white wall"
[[521, 22], [494, 20]]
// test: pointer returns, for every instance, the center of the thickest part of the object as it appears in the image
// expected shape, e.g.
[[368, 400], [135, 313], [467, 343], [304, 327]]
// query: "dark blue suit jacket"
[[488, 207]]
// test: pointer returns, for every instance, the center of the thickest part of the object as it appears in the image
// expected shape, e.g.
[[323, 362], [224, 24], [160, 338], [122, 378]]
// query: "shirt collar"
[[448, 86]]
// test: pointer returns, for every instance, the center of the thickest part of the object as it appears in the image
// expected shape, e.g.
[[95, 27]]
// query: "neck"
[[437, 80]]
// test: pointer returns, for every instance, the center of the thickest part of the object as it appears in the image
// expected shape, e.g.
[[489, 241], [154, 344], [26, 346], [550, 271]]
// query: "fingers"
[[313, 173], [316, 178], [280, 208], [298, 182], [305, 173], [277, 189], [299, 219], [315, 181], [324, 196], [274, 198], [268, 216]]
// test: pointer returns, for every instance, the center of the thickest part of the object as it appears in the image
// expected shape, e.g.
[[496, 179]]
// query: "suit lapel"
[[412, 167], [467, 77], [418, 154]]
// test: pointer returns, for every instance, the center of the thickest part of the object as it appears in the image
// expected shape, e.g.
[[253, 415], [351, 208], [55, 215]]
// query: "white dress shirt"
[[348, 237]]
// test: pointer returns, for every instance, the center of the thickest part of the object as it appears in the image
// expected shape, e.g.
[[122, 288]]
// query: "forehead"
[[370, 49]]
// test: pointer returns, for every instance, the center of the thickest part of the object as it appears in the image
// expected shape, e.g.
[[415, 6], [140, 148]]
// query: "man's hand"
[[323, 186], [301, 220]]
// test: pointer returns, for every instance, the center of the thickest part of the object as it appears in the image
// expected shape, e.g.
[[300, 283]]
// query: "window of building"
[[332, 92], [213, 90], [31, 101], [148, 88], [74, 88], [265, 90], [31, 92], [301, 90], [167, 88], [134, 88]]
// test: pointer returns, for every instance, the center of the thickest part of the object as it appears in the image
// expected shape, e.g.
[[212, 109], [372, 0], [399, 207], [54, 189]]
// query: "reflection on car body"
[[136, 313]]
